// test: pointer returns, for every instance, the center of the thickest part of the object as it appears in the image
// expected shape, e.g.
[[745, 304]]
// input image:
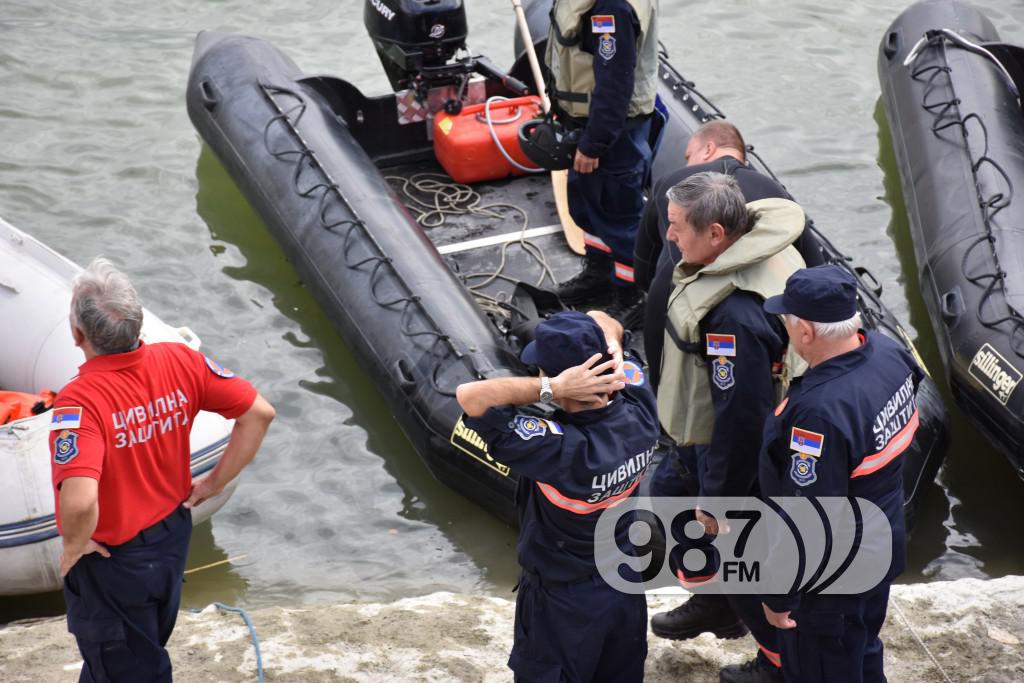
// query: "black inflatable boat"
[[427, 305], [951, 92]]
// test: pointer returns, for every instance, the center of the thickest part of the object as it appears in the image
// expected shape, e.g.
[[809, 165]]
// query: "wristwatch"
[[546, 395]]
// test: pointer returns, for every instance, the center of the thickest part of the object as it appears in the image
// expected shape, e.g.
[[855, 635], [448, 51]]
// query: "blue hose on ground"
[[252, 632]]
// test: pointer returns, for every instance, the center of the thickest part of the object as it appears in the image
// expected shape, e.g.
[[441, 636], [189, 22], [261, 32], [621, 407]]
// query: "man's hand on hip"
[[202, 490], [72, 555]]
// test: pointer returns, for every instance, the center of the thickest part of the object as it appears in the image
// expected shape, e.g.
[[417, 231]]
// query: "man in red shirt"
[[121, 476]]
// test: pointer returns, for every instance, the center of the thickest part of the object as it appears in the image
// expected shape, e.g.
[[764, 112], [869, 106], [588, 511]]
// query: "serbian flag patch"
[[721, 344], [68, 417], [803, 441], [602, 23]]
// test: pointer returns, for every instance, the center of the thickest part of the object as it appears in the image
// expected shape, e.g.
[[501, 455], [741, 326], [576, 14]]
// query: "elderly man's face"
[[699, 248]]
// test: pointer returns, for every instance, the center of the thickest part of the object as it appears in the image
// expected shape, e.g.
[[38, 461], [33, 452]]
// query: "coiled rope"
[[433, 197]]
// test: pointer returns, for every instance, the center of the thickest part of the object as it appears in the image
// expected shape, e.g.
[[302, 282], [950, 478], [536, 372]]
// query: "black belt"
[[168, 523], [537, 579]]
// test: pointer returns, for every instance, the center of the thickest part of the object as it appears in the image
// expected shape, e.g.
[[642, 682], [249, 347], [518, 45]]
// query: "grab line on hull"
[[469, 245]]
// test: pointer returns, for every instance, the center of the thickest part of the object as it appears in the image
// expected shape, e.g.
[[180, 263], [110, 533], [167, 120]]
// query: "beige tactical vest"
[[758, 262], [573, 69]]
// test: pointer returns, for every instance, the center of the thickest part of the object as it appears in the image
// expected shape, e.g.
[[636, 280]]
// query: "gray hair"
[[711, 197], [106, 308], [836, 330]]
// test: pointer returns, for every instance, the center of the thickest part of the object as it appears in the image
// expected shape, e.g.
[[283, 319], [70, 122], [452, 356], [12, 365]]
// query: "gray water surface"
[[98, 157]]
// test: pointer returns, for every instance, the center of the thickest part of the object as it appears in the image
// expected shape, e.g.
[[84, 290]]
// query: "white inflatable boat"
[[38, 353]]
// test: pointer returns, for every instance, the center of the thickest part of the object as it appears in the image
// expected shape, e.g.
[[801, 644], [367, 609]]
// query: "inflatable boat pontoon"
[[39, 353], [952, 95], [429, 305]]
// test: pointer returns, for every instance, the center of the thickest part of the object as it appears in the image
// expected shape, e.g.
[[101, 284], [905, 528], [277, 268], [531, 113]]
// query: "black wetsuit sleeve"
[[649, 238]]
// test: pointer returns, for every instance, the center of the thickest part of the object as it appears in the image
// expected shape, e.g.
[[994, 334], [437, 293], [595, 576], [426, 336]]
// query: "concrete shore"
[[959, 631]]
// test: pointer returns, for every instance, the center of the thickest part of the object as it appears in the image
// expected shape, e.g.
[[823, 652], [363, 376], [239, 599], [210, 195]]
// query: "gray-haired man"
[[724, 365], [121, 476]]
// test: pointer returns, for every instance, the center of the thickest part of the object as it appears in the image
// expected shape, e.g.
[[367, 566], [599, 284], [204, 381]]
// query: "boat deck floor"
[[494, 237], [488, 240]]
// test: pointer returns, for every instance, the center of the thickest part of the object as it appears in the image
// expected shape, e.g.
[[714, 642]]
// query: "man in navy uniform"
[[715, 146], [603, 57], [570, 625], [840, 431], [725, 365]]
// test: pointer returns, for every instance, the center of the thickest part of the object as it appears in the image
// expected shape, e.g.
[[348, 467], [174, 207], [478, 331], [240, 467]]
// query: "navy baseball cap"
[[822, 294], [565, 340]]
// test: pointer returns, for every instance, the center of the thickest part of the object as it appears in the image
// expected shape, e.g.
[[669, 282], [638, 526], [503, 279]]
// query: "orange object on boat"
[[16, 405], [465, 147]]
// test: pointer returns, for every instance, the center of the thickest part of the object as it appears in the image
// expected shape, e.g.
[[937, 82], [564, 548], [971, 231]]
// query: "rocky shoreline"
[[966, 631]]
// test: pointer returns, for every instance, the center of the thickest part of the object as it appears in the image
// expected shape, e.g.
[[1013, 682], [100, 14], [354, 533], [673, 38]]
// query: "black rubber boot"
[[700, 614], [627, 306], [593, 282], [750, 672]]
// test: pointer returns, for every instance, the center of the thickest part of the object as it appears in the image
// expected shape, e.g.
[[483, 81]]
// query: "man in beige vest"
[[603, 57], [725, 362]]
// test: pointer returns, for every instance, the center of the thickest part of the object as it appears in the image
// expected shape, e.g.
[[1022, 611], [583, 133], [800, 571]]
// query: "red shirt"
[[125, 421]]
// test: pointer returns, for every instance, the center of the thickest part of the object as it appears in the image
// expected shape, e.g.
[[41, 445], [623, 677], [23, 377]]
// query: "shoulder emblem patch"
[[721, 344], [66, 417], [65, 447], [803, 441], [218, 369], [802, 472], [602, 23], [634, 374], [606, 47], [722, 373], [528, 426]]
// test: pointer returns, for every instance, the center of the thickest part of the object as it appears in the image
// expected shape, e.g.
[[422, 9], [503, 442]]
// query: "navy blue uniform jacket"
[[572, 468], [614, 75], [742, 393], [841, 431]]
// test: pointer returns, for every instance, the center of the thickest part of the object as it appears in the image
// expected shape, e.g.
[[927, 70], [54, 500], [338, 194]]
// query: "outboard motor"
[[413, 36]]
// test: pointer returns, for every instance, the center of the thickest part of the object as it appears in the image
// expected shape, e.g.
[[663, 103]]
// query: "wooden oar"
[[559, 179]]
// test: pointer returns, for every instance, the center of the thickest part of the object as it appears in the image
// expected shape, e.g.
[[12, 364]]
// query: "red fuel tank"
[[465, 148]]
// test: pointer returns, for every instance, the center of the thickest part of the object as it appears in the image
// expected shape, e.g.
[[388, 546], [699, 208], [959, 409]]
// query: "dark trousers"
[[836, 639], [675, 476], [577, 633], [122, 609], [608, 202], [749, 609]]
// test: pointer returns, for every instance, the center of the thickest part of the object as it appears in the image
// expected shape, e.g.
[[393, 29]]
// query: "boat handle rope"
[[946, 114], [934, 36], [348, 227]]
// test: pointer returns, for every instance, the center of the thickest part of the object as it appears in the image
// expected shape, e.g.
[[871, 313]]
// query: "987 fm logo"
[[830, 546]]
